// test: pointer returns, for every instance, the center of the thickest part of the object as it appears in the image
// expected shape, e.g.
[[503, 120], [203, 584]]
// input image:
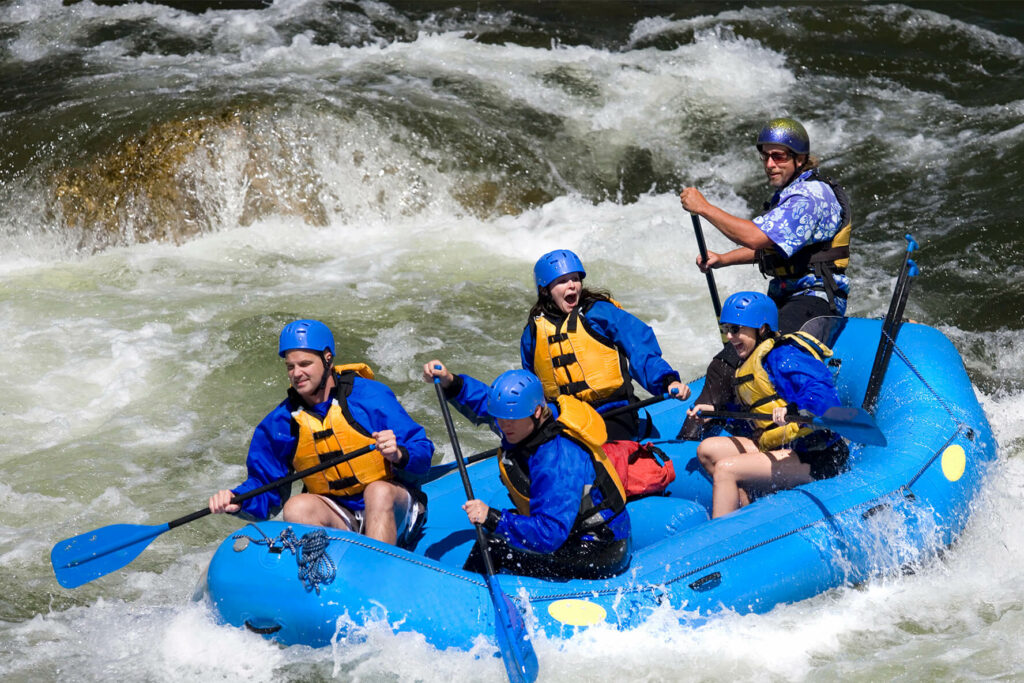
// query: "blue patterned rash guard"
[[802, 213], [557, 468], [632, 336], [372, 404]]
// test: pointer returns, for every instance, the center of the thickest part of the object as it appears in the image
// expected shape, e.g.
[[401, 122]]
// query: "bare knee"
[[381, 494], [710, 452], [302, 509], [726, 471]]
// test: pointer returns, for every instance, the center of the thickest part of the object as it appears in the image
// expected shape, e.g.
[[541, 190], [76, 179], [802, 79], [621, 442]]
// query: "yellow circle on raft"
[[576, 612], [954, 462]]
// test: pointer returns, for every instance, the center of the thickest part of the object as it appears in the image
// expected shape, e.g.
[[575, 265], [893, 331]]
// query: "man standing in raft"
[[802, 241], [331, 410], [570, 518], [581, 343]]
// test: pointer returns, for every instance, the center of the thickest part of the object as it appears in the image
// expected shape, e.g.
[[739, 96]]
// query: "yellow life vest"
[[754, 388], [572, 359], [583, 425], [337, 432]]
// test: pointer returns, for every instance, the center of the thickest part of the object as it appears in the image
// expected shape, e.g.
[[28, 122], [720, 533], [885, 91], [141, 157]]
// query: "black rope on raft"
[[316, 567]]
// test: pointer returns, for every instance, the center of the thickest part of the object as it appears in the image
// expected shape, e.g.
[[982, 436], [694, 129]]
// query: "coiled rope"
[[316, 567]]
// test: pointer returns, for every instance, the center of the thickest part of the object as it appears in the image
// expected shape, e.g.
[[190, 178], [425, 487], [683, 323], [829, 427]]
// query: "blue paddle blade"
[[513, 641], [88, 556], [856, 424]]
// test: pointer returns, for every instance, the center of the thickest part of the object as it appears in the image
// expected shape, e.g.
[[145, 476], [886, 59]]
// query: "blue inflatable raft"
[[894, 507]]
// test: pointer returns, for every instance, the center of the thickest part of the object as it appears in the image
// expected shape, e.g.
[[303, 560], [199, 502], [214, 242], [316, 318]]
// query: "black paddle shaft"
[[277, 483], [758, 417], [890, 328], [712, 287], [480, 538], [633, 406]]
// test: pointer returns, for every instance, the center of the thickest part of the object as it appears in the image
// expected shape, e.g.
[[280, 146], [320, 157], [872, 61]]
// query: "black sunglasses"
[[729, 328], [777, 155]]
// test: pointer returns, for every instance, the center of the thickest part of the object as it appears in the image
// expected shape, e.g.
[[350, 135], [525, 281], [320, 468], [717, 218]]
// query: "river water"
[[178, 180]]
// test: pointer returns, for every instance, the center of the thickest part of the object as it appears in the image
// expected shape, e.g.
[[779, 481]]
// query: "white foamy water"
[[132, 375]]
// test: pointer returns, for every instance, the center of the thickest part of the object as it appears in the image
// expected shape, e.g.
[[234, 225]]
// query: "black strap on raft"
[[890, 327]]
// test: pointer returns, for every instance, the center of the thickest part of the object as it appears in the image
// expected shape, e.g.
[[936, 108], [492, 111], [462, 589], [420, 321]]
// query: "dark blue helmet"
[[786, 132]]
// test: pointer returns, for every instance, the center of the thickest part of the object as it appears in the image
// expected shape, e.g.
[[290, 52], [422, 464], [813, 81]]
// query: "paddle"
[[890, 326], [88, 556], [704, 257], [516, 650], [438, 471], [856, 424], [635, 406]]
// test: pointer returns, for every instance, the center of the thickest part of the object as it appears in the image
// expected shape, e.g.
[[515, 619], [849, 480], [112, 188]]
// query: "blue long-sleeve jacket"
[[634, 338], [801, 379], [372, 404], [558, 468]]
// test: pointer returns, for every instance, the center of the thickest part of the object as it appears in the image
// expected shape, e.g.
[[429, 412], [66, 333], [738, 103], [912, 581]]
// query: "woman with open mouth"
[[582, 343]]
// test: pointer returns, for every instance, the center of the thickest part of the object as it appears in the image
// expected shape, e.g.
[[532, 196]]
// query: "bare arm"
[[740, 230]]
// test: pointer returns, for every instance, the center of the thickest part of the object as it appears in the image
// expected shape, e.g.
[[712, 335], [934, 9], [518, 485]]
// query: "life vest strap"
[[562, 361], [557, 338], [330, 455], [573, 321], [760, 402], [345, 483], [321, 435], [572, 388]]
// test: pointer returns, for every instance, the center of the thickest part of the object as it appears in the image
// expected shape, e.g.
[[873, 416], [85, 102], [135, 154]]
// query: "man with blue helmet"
[[570, 516], [580, 342], [778, 375], [333, 409], [802, 241]]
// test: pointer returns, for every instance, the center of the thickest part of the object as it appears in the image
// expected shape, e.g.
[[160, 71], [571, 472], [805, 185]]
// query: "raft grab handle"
[[712, 580]]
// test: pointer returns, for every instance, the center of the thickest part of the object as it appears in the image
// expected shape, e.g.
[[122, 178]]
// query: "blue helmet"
[[515, 394], [555, 264], [786, 132], [750, 309], [308, 335]]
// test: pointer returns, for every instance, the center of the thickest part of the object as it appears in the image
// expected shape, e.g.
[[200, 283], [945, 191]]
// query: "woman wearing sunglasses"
[[802, 241], [778, 375]]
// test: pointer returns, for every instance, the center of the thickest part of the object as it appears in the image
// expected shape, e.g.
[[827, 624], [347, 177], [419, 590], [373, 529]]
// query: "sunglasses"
[[778, 156], [729, 328]]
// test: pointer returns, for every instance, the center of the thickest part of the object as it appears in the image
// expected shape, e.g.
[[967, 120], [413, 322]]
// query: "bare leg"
[[716, 448], [309, 508], [385, 502], [774, 470]]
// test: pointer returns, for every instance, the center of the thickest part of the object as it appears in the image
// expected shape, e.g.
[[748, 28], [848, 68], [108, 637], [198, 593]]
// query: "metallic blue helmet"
[[750, 309], [786, 132], [308, 335], [515, 394], [555, 264]]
